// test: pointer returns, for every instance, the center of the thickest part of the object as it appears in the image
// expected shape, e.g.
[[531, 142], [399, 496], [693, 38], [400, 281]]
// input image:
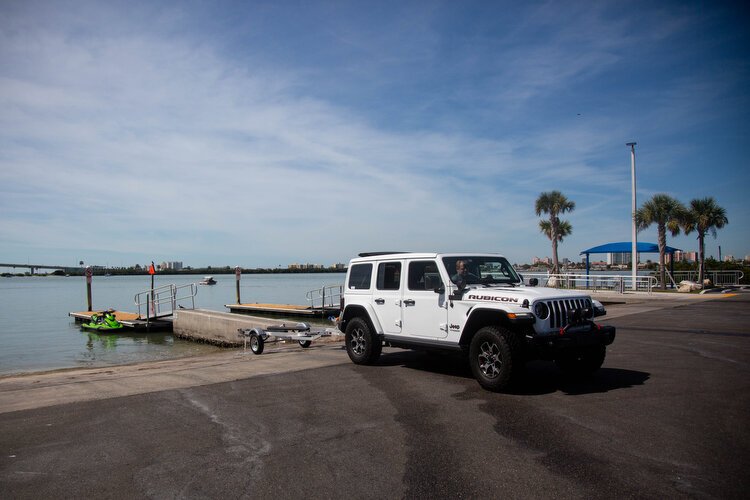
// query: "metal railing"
[[325, 296], [610, 282], [162, 301], [718, 278]]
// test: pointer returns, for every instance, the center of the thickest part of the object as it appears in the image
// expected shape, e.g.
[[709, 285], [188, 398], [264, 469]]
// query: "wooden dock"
[[129, 320], [283, 310]]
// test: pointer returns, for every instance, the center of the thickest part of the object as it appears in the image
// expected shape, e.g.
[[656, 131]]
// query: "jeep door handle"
[[409, 302], [380, 301]]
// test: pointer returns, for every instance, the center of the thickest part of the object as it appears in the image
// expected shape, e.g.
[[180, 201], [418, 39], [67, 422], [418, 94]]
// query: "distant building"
[[305, 267], [543, 260], [620, 258], [685, 256], [729, 258]]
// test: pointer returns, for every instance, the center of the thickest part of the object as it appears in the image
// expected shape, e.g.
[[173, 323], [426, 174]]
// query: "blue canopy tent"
[[627, 247]]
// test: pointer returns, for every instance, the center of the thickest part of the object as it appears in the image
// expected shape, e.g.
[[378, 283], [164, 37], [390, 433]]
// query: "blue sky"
[[266, 133]]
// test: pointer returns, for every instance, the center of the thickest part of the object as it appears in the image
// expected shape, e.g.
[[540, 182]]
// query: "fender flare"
[[356, 310], [480, 316], [247, 332]]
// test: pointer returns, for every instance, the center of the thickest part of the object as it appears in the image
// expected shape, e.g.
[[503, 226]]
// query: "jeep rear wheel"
[[491, 358], [362, 345], [582, 361]]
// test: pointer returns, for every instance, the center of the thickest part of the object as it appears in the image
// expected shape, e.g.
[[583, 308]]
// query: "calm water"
[[36, 332]]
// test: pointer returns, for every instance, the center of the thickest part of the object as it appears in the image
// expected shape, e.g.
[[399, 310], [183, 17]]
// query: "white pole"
[[634, 255]]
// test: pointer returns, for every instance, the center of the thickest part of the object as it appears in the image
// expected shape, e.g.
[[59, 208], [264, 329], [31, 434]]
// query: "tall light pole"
[[634, 254]]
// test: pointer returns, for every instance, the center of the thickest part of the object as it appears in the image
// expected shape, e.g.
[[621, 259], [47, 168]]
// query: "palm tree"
[[704, 216], [554, 203], [666, 213]]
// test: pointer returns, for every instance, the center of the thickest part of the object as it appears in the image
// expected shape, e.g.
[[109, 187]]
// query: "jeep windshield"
[[477, 270]]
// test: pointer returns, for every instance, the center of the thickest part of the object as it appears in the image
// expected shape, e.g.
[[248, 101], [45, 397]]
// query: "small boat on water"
[[103, 322], [208, 280]]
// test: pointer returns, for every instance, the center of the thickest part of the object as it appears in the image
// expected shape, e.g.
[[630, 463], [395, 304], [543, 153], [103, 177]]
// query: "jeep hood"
[[523, 292]]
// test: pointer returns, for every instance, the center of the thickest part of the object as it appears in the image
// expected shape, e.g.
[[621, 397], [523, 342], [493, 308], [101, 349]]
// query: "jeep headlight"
[[541, 310], [588, 306], [599, 309]]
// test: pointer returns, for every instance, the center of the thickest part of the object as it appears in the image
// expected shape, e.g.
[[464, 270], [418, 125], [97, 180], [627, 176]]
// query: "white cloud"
[[167, 145]]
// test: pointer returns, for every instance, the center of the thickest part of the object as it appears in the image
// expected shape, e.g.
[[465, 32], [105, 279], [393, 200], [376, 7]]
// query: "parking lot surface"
[[666, 416]]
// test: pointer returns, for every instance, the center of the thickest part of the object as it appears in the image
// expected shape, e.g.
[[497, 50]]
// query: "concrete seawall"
[[220, 328]]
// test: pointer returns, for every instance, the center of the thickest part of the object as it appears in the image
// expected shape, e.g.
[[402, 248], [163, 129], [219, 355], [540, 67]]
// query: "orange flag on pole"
[[151, 269]]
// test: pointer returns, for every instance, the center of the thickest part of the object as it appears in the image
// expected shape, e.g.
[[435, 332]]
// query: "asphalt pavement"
[[666, 416]]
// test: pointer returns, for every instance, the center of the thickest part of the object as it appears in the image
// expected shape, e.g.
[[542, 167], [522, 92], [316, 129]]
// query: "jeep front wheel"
[[362, 345], [491, 358]]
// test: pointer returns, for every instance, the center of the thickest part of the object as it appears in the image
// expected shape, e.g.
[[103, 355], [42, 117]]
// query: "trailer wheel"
[[256, 343], [305, 343]]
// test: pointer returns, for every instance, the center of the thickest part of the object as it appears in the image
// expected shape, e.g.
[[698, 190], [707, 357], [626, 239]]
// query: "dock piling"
[[238, 273], [89, 274]]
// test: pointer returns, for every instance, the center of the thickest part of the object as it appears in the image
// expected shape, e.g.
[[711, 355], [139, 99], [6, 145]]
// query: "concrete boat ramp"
[[203, 325], [172, 307], [221, 328]]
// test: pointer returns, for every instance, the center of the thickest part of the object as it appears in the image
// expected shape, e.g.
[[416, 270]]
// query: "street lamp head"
[[631, 144]]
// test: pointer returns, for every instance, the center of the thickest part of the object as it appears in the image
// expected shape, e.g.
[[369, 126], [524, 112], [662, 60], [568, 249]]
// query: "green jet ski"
[[102, 322]]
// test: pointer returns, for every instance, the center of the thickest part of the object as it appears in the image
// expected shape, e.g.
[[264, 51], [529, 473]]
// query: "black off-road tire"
[[256, 343], [492, 357], [583, 361], [305, 343], [362, 345]]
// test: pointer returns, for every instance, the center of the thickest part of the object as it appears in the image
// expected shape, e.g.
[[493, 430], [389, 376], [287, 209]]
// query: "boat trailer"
[[300, 332]]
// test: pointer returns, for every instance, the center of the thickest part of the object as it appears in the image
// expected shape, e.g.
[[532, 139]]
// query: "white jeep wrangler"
[[474, 303]]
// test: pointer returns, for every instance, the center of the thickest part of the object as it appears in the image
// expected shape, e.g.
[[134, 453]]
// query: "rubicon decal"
[[492, 298]]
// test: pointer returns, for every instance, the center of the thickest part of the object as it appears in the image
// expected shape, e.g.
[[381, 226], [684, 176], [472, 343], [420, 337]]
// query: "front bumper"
[[572, 337]]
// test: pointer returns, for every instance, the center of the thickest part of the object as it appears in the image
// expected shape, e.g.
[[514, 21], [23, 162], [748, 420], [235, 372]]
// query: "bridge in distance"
[[34, 267]]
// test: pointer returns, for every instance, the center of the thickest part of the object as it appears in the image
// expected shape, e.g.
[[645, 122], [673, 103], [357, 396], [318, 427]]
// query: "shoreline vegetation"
[[130, 271]]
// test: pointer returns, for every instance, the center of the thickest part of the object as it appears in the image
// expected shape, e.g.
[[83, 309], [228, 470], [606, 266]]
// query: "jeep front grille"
[[558, 310]]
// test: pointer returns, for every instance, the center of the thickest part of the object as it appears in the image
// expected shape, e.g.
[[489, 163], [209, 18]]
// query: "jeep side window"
[[389, 275], [424, 275], [360, 276]]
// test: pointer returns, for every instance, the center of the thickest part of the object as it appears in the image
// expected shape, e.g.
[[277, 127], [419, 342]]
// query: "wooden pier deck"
[[128, 320], [283, 310]]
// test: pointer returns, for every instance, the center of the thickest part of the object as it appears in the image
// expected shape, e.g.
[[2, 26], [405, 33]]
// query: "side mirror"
[[457, 295], [533, 282], [440, 289], [460, 283]]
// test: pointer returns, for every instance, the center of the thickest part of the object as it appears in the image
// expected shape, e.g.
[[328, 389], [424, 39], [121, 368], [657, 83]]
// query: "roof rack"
[[373, 254]]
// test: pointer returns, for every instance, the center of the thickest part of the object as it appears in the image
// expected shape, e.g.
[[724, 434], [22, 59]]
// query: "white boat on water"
[[208, 280]]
